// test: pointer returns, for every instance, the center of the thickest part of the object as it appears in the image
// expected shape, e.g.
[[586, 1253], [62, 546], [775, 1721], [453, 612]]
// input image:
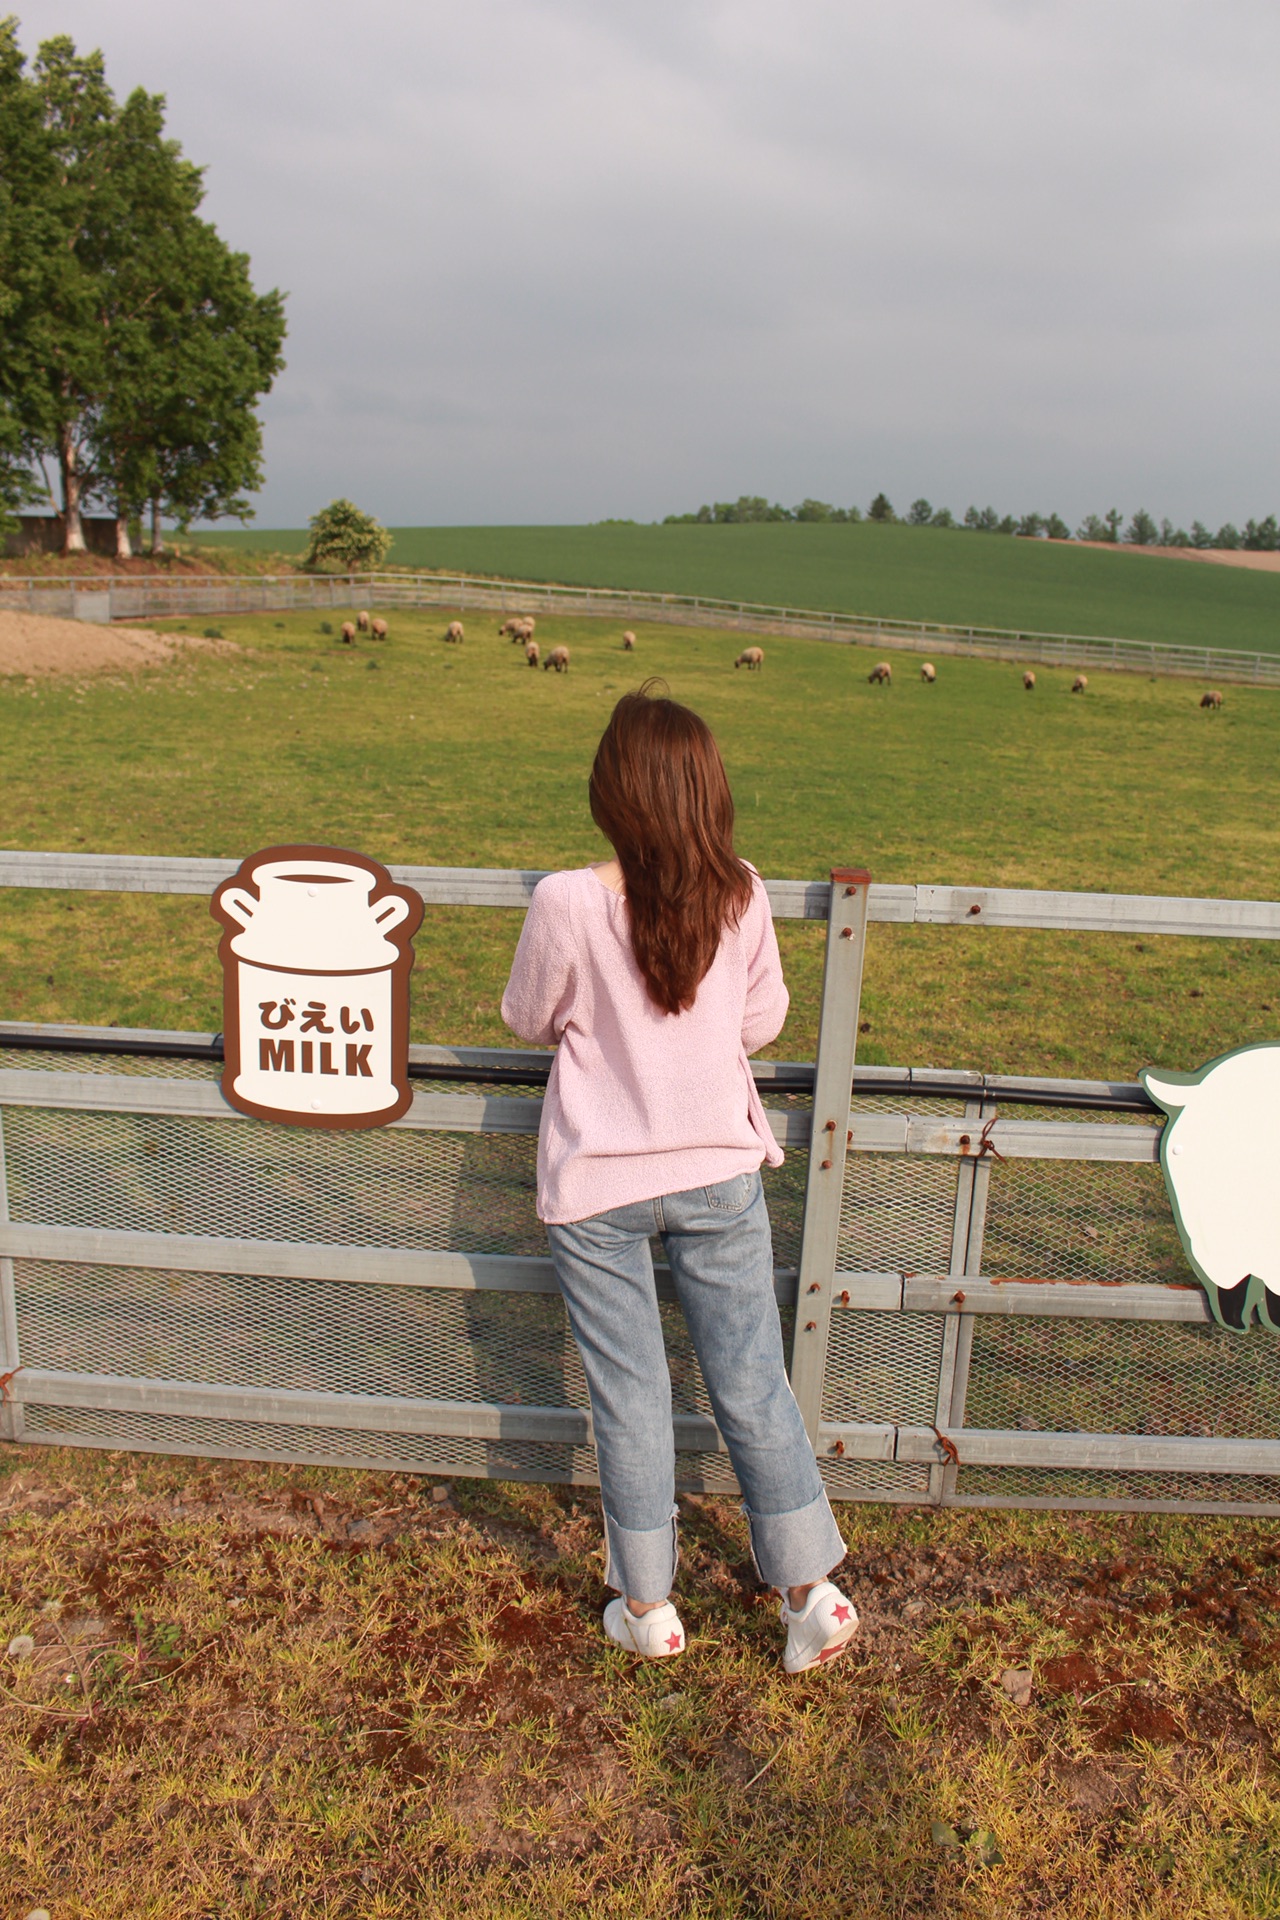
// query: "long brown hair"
[[660, 796]]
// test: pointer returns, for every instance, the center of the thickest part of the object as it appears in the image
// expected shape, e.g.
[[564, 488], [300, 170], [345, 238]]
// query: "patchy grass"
[[269, 1692], [420, 752]]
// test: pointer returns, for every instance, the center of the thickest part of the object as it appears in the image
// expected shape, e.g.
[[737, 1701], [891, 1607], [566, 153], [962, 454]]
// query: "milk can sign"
[[316, 955], [1221, 1158]]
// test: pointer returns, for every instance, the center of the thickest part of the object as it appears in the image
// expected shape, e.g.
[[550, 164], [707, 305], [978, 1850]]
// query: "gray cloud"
[[552, 260]]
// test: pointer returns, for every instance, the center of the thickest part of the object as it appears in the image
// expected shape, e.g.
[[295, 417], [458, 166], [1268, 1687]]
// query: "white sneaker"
[[821, 1630], [655, 1635]]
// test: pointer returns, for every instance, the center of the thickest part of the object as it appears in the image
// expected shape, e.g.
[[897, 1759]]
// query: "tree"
[[943, 518], [982, 519], [919, 514], [1056, 528], [133, 347], [813, 510], [1031, 526], [343, 537], [1200, 535], [1141, 530], [1228, 537], [1261, 536], [881, 509]]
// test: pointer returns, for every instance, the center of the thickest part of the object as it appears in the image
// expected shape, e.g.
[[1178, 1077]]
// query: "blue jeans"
[[720, 1251]]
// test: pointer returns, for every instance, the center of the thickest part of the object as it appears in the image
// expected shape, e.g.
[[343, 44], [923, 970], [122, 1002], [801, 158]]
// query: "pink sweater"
[[640, 1102]]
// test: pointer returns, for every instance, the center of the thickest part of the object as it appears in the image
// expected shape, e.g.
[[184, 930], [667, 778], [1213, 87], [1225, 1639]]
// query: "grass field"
[[907, 573], [274, 1693], [424, 753]]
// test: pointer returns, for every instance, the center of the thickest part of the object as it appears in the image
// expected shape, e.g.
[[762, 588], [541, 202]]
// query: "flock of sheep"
[[520, 628]]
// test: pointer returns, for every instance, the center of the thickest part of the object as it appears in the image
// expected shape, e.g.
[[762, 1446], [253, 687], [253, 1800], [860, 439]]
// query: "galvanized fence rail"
[[150, 598], [978, 1274]]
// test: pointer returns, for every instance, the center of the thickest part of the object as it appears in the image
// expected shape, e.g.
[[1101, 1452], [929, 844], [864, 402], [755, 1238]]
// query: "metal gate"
[[978, 1275]]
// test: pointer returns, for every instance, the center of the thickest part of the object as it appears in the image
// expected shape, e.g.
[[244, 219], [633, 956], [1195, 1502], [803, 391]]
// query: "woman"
[[656, 973]]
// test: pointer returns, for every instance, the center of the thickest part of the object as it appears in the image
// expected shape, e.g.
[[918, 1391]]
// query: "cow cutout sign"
[[1220, 1152], [316, 954]]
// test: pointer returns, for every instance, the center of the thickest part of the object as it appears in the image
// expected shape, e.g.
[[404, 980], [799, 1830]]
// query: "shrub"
[[343, 537]]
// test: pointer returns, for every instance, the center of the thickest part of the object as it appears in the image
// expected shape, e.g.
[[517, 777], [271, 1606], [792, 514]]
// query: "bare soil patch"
[[1218, 556], [32, 644]]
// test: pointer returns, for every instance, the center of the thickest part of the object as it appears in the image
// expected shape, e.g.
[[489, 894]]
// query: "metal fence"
[[152, 598], [978, 1275]]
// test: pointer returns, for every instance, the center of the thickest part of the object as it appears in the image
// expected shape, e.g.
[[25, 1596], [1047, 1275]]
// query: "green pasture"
[[419, 752], [904, 573]]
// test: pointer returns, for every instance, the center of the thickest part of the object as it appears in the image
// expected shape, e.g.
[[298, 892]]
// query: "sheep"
[[1080, 682], [750, 658], [531, 652], [1211, 699], [348, 633], [928, 673], [628, 641], [362, 621], [1029, 681], [881, 675], [519, 626], [454, 633], [379, 629], [557, 658]]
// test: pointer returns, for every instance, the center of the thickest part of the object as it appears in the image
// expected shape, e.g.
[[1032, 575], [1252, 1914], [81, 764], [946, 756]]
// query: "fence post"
[[11, 1422], [973, 1179], [832, 1090]]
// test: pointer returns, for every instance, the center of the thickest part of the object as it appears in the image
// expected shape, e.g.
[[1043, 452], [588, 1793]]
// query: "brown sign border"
[[401, 937]]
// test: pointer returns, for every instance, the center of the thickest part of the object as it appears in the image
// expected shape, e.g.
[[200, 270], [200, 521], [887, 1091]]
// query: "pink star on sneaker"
[[673, 1642], [842, 1613]]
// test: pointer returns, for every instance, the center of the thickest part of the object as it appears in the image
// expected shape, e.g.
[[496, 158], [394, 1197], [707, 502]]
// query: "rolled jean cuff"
[[642, 1565], [794, 1549]]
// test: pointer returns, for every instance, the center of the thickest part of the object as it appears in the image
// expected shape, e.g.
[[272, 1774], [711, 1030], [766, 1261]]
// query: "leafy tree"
[[1141, 530], [1262, 536], [919, 514], [943, 518], [134, 348], [881, 509], [1007, 525], [813, 510], [1200, 534], [1228, 537], [1171, 536], [1056, 528], [982, 519], [343, 537], [1031, 526]]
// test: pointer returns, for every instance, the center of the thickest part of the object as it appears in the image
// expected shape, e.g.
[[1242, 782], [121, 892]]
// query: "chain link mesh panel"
[[874, 1479], [1092, 1486], [1100, 1376], [696, 1471], [896, 1214], [883, 1367], [1080, 1220], [125, 1065]]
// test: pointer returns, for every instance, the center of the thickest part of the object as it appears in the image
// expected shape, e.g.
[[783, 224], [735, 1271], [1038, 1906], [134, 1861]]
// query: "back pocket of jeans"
[[732, 1196]]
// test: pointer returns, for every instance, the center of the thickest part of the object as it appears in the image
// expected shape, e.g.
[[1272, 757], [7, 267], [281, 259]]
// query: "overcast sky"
[[556, 260]]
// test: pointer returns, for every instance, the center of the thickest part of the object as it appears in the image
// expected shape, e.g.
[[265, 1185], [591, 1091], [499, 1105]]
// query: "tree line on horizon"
[[133, 347], [1142, 531]]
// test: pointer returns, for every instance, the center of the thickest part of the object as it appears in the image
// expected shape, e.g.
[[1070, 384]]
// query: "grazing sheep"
[[531, 653], [750, 658], [628, 641], [379, 629], [519, 626], [454, 633], [881, 674], [1029, 680], [362, 621], [1212, 699], [348, 633], [1080, 682], [928, 673], [557, 658]]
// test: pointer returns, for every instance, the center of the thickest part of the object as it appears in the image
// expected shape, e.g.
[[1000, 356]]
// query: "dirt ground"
[[31, 644], [1220, 556]]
